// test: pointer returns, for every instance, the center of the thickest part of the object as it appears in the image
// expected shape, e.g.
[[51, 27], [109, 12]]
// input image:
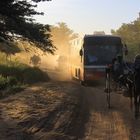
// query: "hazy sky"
[[87, 16]]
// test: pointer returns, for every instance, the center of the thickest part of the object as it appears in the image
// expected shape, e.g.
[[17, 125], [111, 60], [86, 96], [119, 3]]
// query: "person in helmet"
[[118, 67]]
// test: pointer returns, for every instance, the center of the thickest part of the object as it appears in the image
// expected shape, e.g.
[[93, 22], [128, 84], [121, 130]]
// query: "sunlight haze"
[[85, 17]]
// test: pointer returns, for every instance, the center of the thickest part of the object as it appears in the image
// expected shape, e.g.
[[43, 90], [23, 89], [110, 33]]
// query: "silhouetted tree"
[[130, 34], [35, 60], [16, 22]]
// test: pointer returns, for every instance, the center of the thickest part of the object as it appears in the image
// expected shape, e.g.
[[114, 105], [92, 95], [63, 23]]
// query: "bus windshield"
[[101, 54]]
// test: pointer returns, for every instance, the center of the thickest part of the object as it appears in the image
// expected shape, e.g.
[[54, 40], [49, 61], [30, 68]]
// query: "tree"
[[8, 47], [16, 22], [61, 37], [130, 34], [35, 60]]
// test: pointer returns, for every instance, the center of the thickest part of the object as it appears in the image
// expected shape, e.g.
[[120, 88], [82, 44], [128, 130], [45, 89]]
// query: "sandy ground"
[[117, 123], [44, 111], [64, 110]]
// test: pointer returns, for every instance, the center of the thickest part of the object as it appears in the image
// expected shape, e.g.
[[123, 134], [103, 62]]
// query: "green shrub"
[[9, 70], [16, 88], [11, 81], [3, 82], [33, 75], [23, 74], [6, 82]]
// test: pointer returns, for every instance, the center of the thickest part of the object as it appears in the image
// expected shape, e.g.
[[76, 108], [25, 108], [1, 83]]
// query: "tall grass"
[[14, 74], [23, 73]]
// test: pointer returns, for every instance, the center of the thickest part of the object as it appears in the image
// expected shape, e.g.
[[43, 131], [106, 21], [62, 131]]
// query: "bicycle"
[[132, 85], [108, 85], [137, 105], [136, 98]]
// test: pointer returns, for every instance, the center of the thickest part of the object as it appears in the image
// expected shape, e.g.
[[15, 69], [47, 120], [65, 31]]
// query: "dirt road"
[[45, 111], [66, 111], [117, 123]]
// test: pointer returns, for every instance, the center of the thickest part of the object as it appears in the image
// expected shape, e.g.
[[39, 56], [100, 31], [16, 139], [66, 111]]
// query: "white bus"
[[90, 55]]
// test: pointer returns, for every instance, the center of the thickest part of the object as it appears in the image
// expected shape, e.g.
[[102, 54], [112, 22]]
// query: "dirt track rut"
[[66, 111]]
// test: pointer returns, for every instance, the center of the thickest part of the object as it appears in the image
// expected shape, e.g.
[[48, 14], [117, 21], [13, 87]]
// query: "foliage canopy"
[[130, 34], [16, 21]]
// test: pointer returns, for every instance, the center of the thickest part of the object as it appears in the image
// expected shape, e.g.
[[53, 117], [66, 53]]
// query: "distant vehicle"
[[90, 55]]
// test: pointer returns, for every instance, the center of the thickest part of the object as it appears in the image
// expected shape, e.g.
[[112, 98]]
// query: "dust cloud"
[[57, 66]]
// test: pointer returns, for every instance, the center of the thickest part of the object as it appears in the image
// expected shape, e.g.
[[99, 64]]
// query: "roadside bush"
[[6, 82], [12, 81], [9, 71], [15, 88], [33, 75], [3, 82], [23, 74]]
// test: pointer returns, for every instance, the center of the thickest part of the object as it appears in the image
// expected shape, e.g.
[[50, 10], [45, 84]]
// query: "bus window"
[[101, 55]]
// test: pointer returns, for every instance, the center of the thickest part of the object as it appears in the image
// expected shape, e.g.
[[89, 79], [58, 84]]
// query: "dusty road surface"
[[64, 110], [117, 123], [46, 111]]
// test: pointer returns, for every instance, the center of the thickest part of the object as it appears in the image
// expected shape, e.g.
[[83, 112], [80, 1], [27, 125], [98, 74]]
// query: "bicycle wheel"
[[136, 98], [108, 90], [137, 105]]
